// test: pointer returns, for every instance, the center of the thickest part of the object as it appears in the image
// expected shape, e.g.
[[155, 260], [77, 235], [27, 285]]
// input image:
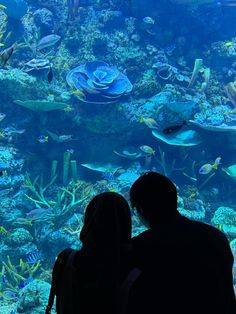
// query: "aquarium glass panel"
[[94, 93]]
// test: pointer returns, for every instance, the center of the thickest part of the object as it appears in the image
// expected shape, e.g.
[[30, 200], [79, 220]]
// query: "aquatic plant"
[[165, 167], [100, 83]]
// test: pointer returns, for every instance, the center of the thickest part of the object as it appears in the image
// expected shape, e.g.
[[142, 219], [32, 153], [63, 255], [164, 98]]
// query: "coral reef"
[[99, 82]]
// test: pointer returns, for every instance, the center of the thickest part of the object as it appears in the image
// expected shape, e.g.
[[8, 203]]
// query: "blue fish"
[[21, 285], [33, 257], [3, 279]]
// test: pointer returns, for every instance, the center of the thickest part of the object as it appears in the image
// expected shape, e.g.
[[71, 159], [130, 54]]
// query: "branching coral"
[[14, 276], [166, 168], [56, 208], [37, 189]]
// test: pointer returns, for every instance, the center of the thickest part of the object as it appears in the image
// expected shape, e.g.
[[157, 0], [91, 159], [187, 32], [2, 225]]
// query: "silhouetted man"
[[186, 265]]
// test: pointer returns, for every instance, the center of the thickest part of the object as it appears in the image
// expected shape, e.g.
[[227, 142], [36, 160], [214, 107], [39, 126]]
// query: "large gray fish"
[[48, 41]]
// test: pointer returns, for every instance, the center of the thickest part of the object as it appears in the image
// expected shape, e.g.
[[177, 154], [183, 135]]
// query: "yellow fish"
[[2, 45], [207, 168], [150, 122], [229, 43], [2, 7], [147, 149]]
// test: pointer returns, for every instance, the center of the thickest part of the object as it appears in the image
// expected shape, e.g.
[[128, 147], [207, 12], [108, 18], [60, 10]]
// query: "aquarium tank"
[[93, 93]]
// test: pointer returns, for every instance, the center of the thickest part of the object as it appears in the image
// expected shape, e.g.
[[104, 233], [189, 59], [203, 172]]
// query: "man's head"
[[155, 198]]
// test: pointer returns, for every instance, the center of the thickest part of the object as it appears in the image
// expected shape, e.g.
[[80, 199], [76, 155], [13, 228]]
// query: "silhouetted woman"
[[101, 265]]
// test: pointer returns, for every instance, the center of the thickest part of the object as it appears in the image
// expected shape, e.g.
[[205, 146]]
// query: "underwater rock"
[[224, 215], [182, 107], [19, 236], [44, 19], [100, 83], [12, 168], [182, 138], [34, 297], [18, 84], [197, 214], [127, 178]]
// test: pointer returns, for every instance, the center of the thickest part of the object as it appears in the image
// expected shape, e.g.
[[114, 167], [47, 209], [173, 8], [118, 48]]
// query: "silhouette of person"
[[103, 261], [186, 265]]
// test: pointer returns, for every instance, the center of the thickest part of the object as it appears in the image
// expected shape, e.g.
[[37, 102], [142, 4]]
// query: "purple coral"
[[99, 82]]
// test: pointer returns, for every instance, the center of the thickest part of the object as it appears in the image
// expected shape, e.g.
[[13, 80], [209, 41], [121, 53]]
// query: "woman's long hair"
[[106, 238], [107, 225]]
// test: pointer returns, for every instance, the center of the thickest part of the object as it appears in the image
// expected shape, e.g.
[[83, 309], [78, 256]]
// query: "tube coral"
[[230, 90]]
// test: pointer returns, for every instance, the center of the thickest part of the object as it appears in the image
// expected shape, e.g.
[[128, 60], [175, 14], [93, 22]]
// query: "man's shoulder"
[[206, 230], [187, 228]]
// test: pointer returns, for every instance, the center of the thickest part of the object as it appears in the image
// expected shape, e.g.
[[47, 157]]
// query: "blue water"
[[93, 94]]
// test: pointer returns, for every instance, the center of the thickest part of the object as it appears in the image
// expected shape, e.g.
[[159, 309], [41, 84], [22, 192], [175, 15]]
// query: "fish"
[[33, 257], [174, 128], [47, 41], [38, 213], [61, 138], [9, 131], [2, 45], [148, 20], [22, 221], [229, 43], [150, 122], [50, 75], [2, 116], [3, 279], [6, 54], [207, 168], [43, 138], [147, 149], [2, 7]]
